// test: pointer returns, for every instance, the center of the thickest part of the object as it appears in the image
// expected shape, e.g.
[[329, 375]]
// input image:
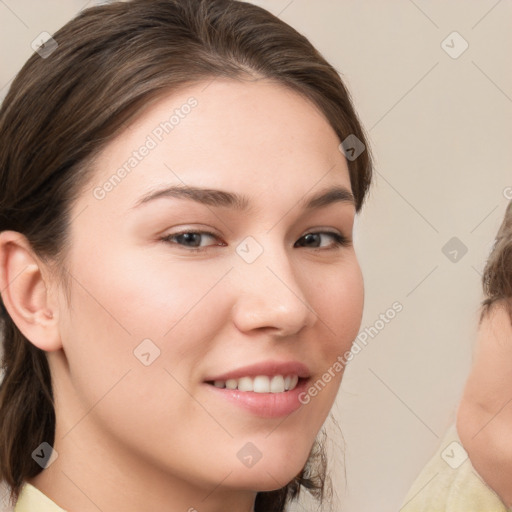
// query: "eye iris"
[[190, 237], [311, 237]]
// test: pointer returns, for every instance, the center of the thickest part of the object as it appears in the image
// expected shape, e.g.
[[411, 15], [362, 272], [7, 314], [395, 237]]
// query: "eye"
[[190, 239], [193, 240], [314, 240]]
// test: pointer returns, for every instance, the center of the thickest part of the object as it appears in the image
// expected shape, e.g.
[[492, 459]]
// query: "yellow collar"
[[31, 499]]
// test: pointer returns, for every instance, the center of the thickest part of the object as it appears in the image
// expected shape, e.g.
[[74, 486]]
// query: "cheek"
[[339, 304], [119, 302], [163, 295], [338, 300], [114, 307]]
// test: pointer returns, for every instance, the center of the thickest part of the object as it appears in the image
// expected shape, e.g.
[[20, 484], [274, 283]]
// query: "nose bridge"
[[268, 291]]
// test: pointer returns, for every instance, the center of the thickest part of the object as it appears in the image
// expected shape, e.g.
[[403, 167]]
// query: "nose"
[[270, 295]]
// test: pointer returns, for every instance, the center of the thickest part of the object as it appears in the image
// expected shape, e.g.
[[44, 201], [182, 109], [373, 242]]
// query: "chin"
[[271, 474], [262, 481]]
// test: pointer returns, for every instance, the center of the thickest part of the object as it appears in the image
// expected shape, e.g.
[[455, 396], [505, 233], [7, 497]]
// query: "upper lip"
[[268, 368]]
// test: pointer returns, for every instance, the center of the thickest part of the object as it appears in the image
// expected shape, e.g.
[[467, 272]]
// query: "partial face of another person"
[[197, 319]]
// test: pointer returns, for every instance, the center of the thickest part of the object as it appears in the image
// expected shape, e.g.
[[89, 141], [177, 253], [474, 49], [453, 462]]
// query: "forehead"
[[247, 136]]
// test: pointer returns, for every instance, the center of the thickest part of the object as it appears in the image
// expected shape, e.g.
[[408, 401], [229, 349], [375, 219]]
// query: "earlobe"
[[25, 292]]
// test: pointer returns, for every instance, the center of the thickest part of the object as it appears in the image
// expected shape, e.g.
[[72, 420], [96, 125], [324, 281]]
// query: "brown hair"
[[61, 110], [497, 276]]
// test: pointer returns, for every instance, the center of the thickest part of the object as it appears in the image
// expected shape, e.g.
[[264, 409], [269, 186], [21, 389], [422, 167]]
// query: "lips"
[[270, 389]]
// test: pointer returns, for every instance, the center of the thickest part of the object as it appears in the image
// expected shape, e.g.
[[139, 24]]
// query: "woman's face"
[[162, 325]]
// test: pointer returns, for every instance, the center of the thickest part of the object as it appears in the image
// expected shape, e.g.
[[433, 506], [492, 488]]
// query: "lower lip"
[[265, 405]]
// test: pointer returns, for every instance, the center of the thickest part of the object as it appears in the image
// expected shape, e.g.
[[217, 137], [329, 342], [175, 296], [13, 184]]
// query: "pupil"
[[190, 237], [311, 237]]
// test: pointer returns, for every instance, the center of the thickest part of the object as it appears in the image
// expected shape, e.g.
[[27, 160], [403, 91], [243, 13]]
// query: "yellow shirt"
[[31, 499], [450, 483]]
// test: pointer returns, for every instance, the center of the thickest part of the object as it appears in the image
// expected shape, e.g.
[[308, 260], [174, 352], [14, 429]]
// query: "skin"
[[485, 412], [132, 437]]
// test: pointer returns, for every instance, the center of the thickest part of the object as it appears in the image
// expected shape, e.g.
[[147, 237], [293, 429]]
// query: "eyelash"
[[339, 240]]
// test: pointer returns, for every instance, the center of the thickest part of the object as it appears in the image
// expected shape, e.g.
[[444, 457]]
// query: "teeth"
[[260, 384], [276, 384], [293, 382], [245, 384], [231, 383]]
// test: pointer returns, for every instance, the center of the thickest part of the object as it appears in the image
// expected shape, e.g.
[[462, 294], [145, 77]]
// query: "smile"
[[260, 383]]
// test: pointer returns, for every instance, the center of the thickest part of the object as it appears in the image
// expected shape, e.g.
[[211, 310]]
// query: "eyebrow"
[[224, 199]]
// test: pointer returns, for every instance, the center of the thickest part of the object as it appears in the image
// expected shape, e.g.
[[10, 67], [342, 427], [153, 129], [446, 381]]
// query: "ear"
[[25, 293]]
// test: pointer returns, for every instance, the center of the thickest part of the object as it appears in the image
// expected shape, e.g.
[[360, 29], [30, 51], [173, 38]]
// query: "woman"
[[472, 470], [179, 185]]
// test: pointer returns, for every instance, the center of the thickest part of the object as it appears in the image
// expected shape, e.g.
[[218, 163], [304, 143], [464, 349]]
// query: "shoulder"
[[484, 416], [450, 483]]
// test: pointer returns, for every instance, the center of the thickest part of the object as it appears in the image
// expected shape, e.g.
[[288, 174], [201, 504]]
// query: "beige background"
[[440, 129]]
